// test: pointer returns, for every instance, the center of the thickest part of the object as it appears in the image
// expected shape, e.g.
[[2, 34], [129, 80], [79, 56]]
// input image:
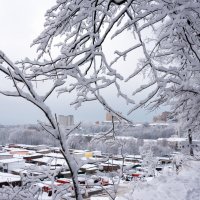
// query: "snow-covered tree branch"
[[167, 32]]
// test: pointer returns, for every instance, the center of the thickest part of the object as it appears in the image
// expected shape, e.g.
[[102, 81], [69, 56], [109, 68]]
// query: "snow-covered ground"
[[169, 186]]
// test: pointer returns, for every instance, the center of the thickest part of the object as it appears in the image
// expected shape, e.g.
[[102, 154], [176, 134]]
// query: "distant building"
[[109, 117], [66, 120], [161, 118]]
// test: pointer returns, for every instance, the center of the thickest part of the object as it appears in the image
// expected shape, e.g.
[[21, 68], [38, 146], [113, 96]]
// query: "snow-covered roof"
[[159, 124], [87, 166], [108, 164], [75, 151], [134, 156], [11, 160], [20, 170], [5, 154], [43, 150], [6, 177], [92, 168], [118, 162], [26, 145], [42, 145], [99, 198], [52, 161], [54, 155], [15, 149], [47, 183]]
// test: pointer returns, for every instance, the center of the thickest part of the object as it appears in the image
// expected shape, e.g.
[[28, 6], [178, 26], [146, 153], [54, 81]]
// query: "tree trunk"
[[190, 142], [73, 169]]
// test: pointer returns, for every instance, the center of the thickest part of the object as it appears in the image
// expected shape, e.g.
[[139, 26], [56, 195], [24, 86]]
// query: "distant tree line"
[[25, 134], [145, 131], [34, 135]]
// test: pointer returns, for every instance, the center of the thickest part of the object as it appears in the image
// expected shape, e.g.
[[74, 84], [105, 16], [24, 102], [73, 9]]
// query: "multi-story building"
[[109, 117], [66, 120]]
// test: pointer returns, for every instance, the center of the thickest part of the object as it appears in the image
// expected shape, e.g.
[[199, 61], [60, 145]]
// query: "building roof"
[[5, 154], [52, 161], [87, 166], [54, 155], [99, 198], [16, 149], [12, 160], [159, 124], [6, 177]]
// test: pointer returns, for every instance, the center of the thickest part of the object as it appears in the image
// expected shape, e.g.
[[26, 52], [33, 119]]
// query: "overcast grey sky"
[[21, 21]]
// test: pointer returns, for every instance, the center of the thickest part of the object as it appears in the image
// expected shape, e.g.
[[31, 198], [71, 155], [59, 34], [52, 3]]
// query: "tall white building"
[[66, 120]]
